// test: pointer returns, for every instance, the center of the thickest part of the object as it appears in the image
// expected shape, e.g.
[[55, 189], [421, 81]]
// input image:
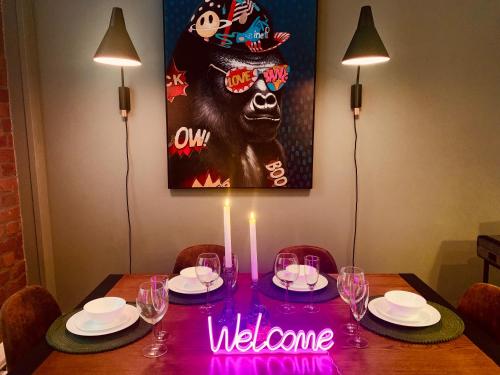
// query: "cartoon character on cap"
[[207, 24], [238, 24]]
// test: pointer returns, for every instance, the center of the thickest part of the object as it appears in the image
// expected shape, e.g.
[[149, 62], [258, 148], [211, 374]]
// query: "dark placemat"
[[448, 328], [198, 299], [267, 287], [62, 340]]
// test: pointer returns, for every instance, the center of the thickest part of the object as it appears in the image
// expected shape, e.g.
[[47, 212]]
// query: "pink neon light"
[[246, 340]]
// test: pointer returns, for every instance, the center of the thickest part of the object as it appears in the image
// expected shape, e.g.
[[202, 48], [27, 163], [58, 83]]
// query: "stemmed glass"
[[286, 269], [233, 270], [207, 271], [160, 331], [311, 272], [346, 277], [359, 295], [152, 304]]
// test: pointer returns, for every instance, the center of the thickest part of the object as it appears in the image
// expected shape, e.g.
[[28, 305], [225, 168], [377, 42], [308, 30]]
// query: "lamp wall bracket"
[[124, 98], [356, 95]]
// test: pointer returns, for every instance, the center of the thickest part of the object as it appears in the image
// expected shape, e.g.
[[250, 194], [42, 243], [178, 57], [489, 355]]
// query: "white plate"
[[87, 324], [72, 324], [180, 285], [424, 318], [301, 286]]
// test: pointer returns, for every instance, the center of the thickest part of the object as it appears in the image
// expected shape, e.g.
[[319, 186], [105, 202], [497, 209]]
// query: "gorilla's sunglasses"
[[239, 80]]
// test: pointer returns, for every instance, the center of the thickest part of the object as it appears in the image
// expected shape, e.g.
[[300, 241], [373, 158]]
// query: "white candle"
[[253, 248], [227, 234]]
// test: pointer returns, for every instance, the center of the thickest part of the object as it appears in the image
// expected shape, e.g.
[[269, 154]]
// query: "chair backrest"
[[327, 262], [26, 317], [481, 304], [188, 256]]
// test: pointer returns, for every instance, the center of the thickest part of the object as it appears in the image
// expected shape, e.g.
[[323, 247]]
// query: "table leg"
[[486, 269]]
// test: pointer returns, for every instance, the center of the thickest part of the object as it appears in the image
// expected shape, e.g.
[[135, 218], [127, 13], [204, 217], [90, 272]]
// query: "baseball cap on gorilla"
[[240, 25]]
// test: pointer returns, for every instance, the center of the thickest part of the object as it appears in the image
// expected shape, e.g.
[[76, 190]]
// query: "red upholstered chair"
[[327, 263], [26, 317], [188, 256], [481, 304]]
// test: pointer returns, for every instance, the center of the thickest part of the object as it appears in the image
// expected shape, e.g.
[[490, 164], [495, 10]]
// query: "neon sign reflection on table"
[[273, 364], [277, 340]]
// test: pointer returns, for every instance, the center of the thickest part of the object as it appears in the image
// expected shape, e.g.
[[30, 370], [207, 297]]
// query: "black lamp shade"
[[366, 47], [116, 47]]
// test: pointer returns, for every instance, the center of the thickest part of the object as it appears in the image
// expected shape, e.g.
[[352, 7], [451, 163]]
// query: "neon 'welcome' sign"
[[277, 340]]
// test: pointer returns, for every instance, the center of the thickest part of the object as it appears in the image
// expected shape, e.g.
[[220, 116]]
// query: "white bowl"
[[294, 269], [104, 310], [404, 304], [189, 273], [189, 278], [301, 270]]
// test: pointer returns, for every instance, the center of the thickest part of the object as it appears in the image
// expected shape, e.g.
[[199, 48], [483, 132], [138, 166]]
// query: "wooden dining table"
[[189, 349]]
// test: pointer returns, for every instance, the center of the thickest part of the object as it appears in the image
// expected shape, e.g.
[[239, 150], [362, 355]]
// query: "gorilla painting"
[[224, 84]]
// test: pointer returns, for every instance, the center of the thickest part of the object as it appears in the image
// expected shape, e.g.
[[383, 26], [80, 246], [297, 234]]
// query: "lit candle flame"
[[252, 217], [227, 203]]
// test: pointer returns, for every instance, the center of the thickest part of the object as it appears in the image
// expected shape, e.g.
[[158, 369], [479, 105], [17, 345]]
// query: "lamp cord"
[[356, 105], [127, 200], [357, 190], [125, 119]]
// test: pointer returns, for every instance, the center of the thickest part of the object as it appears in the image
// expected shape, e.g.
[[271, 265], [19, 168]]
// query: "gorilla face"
[[255, 113]]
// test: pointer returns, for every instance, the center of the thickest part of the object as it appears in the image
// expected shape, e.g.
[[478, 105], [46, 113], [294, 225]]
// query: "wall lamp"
[[366, 48], [117, 49]]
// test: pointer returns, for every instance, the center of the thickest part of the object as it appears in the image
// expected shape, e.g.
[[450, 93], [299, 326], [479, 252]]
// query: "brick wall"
[[12, 263]]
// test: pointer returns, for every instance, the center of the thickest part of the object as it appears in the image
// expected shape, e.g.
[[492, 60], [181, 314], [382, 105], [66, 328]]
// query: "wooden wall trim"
[[27, 122]]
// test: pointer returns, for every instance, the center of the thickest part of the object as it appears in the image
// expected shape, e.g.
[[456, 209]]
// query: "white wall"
[[428, 148]]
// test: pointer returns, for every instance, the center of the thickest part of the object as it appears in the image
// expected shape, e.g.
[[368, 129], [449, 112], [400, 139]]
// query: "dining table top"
[[189, 349]]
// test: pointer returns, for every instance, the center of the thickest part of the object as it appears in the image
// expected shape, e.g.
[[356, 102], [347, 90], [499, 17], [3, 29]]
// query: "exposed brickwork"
[[12, 263]]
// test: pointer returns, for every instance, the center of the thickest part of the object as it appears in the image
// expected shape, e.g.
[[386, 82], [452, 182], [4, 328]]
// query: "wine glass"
[[359, 295], [207, 271], [345, 278], [311, 273], [159, 329], [286, 269], [234, 269], [152, 304]]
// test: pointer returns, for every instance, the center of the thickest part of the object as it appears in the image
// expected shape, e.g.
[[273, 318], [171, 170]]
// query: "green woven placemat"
[[62, 340], [448, 328]]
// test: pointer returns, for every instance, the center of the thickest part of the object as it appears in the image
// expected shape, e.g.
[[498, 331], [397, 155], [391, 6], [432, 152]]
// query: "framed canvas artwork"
[[239, 85]]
